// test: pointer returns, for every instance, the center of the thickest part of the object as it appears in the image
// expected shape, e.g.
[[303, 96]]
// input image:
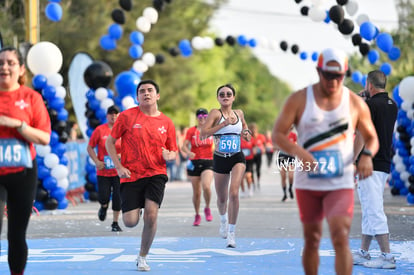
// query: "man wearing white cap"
[[326, 115]]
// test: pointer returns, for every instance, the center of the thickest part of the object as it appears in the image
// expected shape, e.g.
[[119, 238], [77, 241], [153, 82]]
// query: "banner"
[[76, 154]]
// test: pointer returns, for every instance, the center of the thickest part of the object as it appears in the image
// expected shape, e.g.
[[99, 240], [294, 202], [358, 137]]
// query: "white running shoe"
[[382, 262], [231, 240], [360, 257], [142, 264], [223, 230]]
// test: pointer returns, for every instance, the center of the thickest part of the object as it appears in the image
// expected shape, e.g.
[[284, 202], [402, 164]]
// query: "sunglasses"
[[202, 116], [331, 76], [223, 95]]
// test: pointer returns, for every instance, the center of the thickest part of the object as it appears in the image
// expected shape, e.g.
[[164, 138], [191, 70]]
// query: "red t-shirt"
[[247, 148], [203, 149], [27, 105], [259, 142], [142, 140], [98, 138]]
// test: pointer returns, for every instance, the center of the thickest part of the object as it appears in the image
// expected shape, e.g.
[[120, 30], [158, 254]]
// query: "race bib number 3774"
[[14, 153], [329, 165]]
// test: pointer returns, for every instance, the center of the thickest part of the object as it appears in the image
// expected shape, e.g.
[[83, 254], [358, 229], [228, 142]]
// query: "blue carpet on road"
[[117, 255]]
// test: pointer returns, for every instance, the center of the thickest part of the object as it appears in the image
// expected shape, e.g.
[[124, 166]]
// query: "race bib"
[[190, 165], [15, 153], [246, 152], [109, 164], [229, 144], [330, 165]]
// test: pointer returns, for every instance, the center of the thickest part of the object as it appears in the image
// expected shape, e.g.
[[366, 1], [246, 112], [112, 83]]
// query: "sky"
[[273, 21]]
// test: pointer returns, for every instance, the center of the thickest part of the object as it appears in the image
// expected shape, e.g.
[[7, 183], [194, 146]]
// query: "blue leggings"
[[18, 190]]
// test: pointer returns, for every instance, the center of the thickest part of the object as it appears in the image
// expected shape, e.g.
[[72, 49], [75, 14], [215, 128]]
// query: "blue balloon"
[[373, 56], [92, 177], [396, 96], [184, 46], [89, 132], [367, 30], [53, 12], [410, 198], [39, 82], [386, 68], [385, 42], [42, 172], [107, 43], [364, 80], [49, 92], [63, 115], [135, 51], [90, 94], [39, 161], [115, 31], [59, 149], [252, 43], [86, 195], [394, 53], [303, 55], [94, 104], [57, 103], [64, 160], [399, 184], [187, 52], [63, 203], [126, 83], [110, 93], [242, 40], [54, 138], [327, 18], [136, 37], [403, 191], [58, 193], [89, 168], [315, 56], [100, 113], [39, 205], [356, 76], [50, 183]]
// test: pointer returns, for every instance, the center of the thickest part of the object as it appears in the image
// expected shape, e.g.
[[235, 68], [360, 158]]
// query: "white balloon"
[[64, 183], [43, 150], [60, 92], [101, 93], [406, 105], [143, 24], [59, 172], [404, 175], [55, 79], [406, 89], [151, 14], [149, 59], [411, 142], [106, 103], [263, 42], [351, 7], [400, 167], [208, 43], [412, 151], [318, 2], [128, 102], [44, 58], [361, 19], [197, 42], [140, 66], [410, 114], [51, 160], [317, 14]]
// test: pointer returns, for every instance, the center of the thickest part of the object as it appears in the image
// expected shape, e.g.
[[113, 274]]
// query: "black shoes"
[[102, 213], [291, 193], [284, 198], [115, 227]]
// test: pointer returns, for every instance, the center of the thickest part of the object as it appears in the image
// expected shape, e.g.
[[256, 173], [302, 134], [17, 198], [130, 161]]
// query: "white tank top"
[[227, 139], [328, 135]]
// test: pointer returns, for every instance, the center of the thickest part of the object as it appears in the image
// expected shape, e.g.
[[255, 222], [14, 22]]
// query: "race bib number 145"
[[14, 153]]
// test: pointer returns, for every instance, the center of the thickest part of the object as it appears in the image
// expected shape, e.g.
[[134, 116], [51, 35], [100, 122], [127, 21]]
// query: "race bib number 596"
[[229, 144]]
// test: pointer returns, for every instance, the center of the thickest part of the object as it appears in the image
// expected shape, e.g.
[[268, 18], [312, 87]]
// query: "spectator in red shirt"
[[108, 180], [148, 141], [247, 148], [200, 165], [24, 120], [259, 149]]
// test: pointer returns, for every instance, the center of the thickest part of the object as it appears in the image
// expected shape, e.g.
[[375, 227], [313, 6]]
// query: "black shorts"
[[249, 165], [199, 165], [133, 194], [223, 165], [285, 159]]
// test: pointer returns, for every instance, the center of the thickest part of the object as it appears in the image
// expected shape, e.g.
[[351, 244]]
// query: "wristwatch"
[[366, 152], [22, 127]]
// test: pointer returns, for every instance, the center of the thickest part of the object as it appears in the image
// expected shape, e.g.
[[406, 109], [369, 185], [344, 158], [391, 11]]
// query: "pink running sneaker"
[[197, 220], [207, 212]]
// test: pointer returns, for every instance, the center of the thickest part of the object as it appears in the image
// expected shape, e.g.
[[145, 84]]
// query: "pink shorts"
[[314, 205]]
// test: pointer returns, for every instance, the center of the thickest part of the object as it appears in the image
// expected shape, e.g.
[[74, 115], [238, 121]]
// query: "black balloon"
[[298, 1], [174, 51], [356, 39], [59, 127], [411, 179], [158, 5], [401, 129], [167, 1], [295, 49], [159, 58], [342, 2], [93, 196], [98, 74], [41, 194], [64, 137], [283, 45], [364, 48], [51, 204], [304, 10], [346, 26], [90, 113], [336, 13], [53, 115], [219, 42], [90, 187], [348, 72], [94, 122], [230, 40], [395, 191], [118, 16], [126, 4], [411, 188]]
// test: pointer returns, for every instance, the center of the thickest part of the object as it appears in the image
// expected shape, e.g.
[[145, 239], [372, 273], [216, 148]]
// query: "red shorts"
[[314, 205]]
